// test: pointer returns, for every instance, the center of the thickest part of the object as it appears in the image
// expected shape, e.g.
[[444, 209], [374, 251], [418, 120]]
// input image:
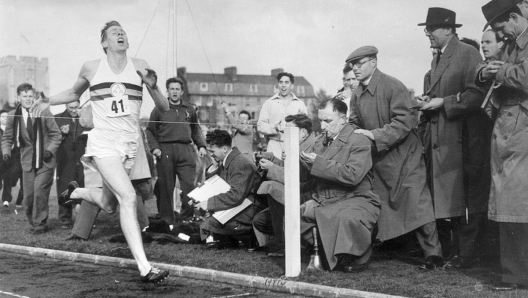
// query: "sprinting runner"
[[116, 95]]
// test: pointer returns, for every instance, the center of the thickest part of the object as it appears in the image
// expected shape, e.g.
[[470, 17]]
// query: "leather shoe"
[[432, 262], [155, 275], [64, 198], [459, 262], [503, 286], [66, 227], [73, 237]]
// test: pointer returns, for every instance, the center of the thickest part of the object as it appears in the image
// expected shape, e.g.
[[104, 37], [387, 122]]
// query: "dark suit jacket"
[[243, 177], [73, 144], [51, 134]]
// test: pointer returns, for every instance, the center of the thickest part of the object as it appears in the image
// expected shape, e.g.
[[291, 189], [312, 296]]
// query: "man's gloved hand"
[[48, 156]]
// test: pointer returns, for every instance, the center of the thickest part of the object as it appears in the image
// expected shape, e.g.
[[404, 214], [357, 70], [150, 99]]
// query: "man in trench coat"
[[345, 209], [456, 135], [382, 110], [509, 143]]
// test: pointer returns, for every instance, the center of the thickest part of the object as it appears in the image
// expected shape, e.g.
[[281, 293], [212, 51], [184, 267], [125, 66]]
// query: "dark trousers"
[[428, 238], [68, 171], [514, 252], [176, 159], [88, 212], [469, 234], [5, 183], [461, 237], [270, 221], [37, 187]]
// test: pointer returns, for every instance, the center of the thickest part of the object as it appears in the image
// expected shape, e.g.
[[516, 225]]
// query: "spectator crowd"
[[445, 169]]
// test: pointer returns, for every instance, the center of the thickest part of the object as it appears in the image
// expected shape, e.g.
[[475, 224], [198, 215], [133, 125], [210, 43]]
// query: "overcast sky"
[[306, 37]]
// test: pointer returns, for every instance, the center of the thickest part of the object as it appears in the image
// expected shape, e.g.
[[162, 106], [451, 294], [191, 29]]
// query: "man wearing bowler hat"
[[509, 144], [383, 111], [456, 134]]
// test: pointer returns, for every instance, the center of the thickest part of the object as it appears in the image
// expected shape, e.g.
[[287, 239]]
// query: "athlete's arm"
[[150, 79], [70, 95]]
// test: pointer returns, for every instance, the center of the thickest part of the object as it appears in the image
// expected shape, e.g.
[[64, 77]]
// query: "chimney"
[[275, 72], [182, 72], [231, 72]]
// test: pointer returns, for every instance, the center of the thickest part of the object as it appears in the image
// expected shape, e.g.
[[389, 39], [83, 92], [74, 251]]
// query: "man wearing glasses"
[[456, 135], [383, 112]]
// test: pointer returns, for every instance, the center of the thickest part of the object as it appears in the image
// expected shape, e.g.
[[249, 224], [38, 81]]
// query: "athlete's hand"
[[202, 152], [65, 129], [40, 105], [150, 78]]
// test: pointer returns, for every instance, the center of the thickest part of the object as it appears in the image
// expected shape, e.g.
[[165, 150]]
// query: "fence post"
[[292, 217]]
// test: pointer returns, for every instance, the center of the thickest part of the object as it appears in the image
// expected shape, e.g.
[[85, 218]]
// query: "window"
[[228, 87], [203, 87], [252, 115], [253, 88], [300, 90], [198, 100]]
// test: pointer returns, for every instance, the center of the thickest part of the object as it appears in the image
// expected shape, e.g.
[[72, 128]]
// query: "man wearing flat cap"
[[382, 110], [456, 134], [509, 143]]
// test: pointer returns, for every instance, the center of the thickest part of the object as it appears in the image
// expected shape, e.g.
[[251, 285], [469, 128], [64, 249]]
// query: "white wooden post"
[[292, 216]]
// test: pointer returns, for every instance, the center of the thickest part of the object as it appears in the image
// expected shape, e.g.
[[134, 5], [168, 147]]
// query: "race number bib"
[[117, 106]]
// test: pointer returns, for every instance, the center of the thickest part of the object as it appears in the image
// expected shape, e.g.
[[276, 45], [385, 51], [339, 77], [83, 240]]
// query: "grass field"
[[389, 272]]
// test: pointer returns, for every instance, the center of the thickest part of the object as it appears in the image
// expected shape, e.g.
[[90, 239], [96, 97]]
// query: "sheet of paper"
[[211, 187], [225, 215]]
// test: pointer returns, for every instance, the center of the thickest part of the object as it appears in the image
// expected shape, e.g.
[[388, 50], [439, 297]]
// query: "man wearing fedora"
[[509, 145], [456, 139]]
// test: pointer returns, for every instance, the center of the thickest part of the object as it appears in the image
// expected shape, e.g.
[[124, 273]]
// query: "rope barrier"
[[146, 31]]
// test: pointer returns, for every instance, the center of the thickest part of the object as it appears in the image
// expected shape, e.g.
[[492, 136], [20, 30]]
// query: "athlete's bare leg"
[[103, 197], [118, 182]]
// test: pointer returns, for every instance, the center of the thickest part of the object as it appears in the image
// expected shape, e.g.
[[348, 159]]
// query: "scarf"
[[38, 140]]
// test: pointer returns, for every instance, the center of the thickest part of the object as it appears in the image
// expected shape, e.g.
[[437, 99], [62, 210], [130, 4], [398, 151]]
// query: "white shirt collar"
[[25, 114], [367, 81], [225, 158], [521, 33], [277, 96]]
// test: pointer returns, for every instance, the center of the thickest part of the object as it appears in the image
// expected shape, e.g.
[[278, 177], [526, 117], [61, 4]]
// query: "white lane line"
[[13, 294]]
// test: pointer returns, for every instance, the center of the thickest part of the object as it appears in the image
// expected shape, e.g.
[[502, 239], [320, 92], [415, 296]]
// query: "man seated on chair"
[[242, 175], [344, 208], [270, 221]]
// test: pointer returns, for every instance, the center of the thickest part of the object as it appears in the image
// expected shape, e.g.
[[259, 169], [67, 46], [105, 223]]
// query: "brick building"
[[241, 92]]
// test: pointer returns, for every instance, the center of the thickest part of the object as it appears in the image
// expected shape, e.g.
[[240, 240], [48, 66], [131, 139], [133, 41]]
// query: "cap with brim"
[[496, 8], [361, 52], [437, 16]]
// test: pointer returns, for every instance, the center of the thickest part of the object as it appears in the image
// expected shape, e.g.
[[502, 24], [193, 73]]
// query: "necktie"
[[29, 125], [74, 132], [438, 56]]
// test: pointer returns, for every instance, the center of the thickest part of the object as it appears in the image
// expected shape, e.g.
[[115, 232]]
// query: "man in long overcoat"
[[456, 136], [382, 110], [345, 209], [509, 143]]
